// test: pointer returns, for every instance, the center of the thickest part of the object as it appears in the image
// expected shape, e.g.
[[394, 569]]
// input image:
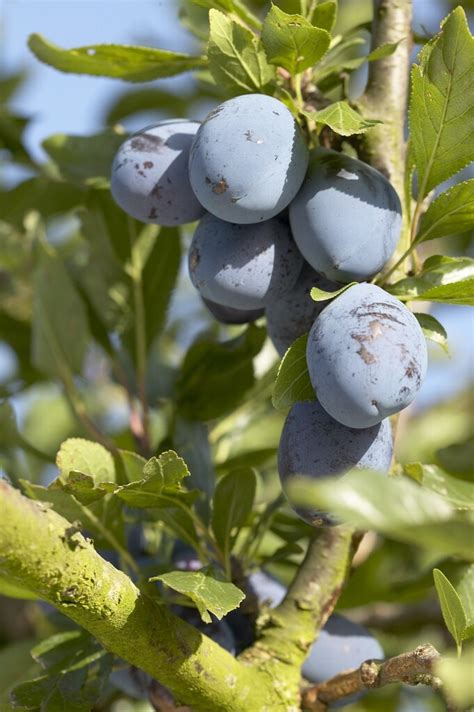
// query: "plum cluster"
[[276, 220]]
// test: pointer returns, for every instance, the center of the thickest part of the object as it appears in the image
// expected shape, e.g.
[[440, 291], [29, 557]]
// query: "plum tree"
[[227, 315], [341, 645], [366, 356], [293, 314], [346, 218], [243, 266], [150, 178], [314, 445], [248, 159]]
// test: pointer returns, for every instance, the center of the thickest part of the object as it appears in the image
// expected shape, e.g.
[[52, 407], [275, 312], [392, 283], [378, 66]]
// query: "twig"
[[413, 668]]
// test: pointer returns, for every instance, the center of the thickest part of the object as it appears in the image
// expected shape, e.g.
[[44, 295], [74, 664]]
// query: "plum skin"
[[150, 179], [314, 445], [293, 314], [227, 315], [243, 266], [248, 159], [341, 645], [366, 356], [346, 219]]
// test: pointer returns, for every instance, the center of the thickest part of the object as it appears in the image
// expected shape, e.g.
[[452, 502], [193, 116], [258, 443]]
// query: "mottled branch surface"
[[43, 552], [413, 668]]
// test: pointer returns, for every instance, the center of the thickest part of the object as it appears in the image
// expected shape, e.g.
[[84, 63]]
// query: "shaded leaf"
[[236, 57], [133, 64], [233, 501], [441, 104], [209, 594], [451, 606], [292, 42], [292, 382], [324, 15], [458, 459], [459, 493], [433, 330], [456, 675], [13, 590], [343, 119], [450, 214]]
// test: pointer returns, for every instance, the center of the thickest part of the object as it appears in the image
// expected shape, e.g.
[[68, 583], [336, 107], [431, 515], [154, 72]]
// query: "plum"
[[150, 179], [314, 445], [248, 159], [227, 315], [346, 218], [366, 356], [266, 588], [243, 266], [293, 314], [341, 645]]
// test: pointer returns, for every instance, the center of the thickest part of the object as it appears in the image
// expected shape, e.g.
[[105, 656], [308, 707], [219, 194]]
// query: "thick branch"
[[287, 632], [386, 98], [414, 668], [43, 552]]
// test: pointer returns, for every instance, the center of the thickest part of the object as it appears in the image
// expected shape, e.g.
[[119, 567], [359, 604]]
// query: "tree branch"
[[413, 668], [386, 98], [41, 551], [287, 632]]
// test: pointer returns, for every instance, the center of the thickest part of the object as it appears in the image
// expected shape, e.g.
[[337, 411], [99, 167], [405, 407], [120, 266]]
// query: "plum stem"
[[413, 668]]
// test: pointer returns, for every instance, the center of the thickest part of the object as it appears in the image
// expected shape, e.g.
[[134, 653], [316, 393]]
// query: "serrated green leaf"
[[343, 119], [232, 504], [451, 606], [442, 104], [394, 506], [209, 594], [442, 279], [458, 680], [216, 375], [173, 467], [60, 328], [451, 213], [90, 458], [85, 160], [292, 42], [132, 64], [324, 15], [433, 330], [292, 382], [236, 57]]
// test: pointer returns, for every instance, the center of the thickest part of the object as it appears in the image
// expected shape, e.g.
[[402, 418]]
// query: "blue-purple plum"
[[293, 314], [342, 645], [243, 266], [346, 218], [366, 356], [266, 588], [150, 179], [314, 445], [248, 159], [227, 315]]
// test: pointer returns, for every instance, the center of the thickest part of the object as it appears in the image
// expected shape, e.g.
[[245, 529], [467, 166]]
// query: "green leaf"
[[292, 382], [132, 64], [132, 464], [324, 15], [9, 435], [232, 505], [12, 590], [77, 669], [209, 594], [232, 7], [173, 467], [464, 583], [457, 492], [451, 213], [236, 57], [137, 100], [442, 279], [84, 159], [393, 506], [47, 196], [320, 295], [16, 665], [60, 329], [216, 375], [458, 458], [292, 42], [343, 119], [451, 606], [456, 675], [90, 458], [433, 330], [441, 104]]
